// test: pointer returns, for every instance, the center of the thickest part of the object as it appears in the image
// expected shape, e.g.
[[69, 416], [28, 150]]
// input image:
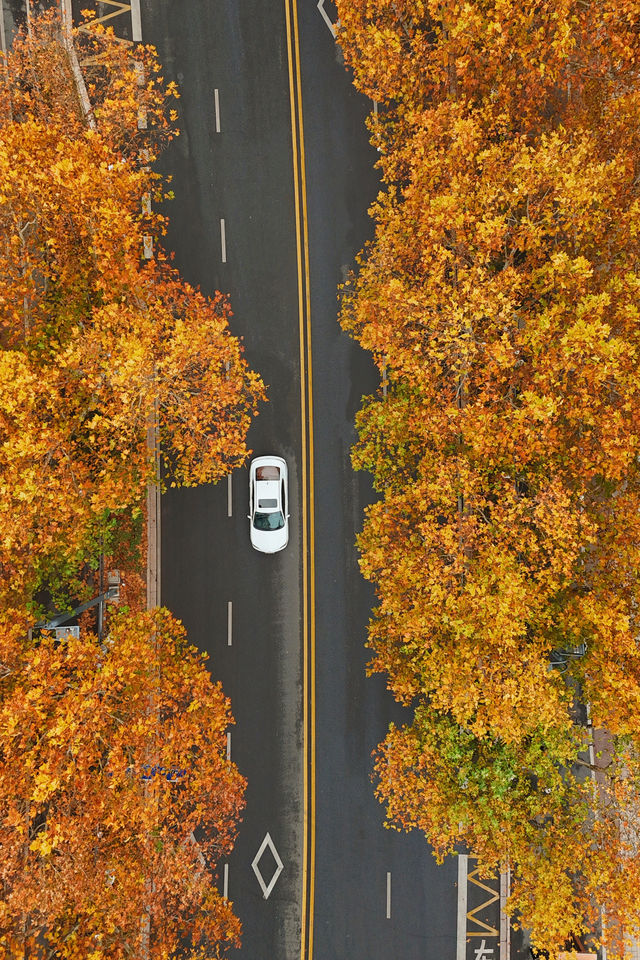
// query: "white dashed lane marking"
[[223, 241], [216, 102]]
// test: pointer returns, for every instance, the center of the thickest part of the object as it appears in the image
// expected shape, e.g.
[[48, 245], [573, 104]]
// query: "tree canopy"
[[97, 341], [118, 800], [500, 293]]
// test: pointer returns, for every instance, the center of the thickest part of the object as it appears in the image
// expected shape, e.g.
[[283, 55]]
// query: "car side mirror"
[[248, 516]]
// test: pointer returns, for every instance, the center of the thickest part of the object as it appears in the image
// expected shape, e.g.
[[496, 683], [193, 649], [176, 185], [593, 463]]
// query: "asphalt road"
[[368, 893], [12, 18]]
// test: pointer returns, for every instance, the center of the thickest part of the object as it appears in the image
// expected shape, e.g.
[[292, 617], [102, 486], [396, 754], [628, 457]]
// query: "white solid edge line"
[[388, 895], [505, 923], [223, 241], [225, 882], [216, 100], [136, 23], [229, 622], [461, 939], [229, 496], [228, 744], [3, 39]]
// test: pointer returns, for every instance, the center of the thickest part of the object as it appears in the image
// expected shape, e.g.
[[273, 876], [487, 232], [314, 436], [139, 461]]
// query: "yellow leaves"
[[538, 408], [501, 295], [41, 845], [46, 842]]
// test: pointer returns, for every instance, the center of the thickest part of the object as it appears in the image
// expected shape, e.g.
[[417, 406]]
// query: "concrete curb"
[[154, 530], [153, 546]]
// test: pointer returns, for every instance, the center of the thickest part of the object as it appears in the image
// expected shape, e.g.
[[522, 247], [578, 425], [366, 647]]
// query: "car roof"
[[267, 490]]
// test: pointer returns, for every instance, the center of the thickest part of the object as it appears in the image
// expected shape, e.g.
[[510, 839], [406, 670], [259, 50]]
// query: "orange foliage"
[[89, 845], [95, 342], [102, 847], [501, 294]]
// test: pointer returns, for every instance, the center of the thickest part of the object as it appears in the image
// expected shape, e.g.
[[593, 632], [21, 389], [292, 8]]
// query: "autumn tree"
[[533, 60], [97, 343], [503, 431], [569, 831], [500, 294], [118, 801], [132, 105]]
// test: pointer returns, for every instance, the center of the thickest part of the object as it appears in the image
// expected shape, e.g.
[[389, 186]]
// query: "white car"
[[268, 504]]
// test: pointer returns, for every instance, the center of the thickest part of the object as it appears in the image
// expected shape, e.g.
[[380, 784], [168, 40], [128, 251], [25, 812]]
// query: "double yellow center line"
[[308, 531]]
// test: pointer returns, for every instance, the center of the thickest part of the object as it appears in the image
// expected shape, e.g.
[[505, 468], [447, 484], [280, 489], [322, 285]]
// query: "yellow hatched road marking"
[[485, 928], [122, 9]]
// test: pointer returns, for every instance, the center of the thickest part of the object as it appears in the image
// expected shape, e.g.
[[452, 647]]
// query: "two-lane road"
[[273, 175]]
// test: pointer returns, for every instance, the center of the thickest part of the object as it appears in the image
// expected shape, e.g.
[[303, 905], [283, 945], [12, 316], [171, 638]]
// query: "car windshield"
[[268, 521]]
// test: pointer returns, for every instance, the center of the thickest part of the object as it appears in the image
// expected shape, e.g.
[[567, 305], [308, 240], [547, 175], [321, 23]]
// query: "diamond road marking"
[[267, 842], [325, 17]]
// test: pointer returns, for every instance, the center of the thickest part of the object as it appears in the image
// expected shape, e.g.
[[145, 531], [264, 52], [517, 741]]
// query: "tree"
[[96, 342], [572, 840], [118, 801], [500, 294], [130, 102], [536, 61], [493, 528]]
